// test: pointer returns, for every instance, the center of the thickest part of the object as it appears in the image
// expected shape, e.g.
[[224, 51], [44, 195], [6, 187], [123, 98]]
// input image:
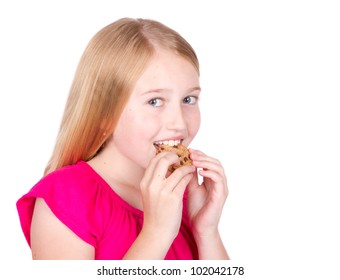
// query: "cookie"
[[181, 151]]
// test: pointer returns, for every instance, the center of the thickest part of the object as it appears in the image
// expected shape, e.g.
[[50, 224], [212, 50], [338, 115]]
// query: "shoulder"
[[75, 196], [70, 182], [75, 191], [67, 175]]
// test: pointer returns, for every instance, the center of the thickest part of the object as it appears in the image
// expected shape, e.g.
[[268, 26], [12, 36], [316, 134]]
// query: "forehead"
[[168, 70]]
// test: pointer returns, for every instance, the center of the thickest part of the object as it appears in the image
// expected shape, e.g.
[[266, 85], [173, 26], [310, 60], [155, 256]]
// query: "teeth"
[[169, 142]]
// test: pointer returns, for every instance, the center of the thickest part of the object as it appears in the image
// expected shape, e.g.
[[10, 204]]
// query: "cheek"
[[132, 130], [194, 123], [125, 132], [129, 138]]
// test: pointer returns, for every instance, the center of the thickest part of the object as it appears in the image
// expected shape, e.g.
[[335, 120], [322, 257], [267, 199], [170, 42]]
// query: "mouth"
[[168, 142]]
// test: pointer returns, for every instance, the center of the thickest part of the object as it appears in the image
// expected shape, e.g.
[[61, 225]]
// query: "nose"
[[175, 119]]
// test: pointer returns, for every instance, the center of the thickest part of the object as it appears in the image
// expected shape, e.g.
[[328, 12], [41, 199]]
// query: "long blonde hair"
[[107, 72]]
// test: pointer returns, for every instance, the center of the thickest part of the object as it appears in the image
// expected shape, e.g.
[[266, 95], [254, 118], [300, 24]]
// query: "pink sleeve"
[[75, 201]]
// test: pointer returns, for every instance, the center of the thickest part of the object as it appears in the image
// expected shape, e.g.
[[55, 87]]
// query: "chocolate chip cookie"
[[181, 151]]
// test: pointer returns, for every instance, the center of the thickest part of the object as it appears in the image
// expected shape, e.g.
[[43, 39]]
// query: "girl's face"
[[162, 107]]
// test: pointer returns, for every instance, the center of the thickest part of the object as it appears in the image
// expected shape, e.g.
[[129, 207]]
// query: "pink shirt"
[[85, 203]]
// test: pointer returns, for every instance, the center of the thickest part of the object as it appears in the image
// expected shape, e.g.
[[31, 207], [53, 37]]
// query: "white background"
[[270, 73]]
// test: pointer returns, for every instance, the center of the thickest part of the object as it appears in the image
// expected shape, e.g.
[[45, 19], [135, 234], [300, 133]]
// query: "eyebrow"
[[164, 90]]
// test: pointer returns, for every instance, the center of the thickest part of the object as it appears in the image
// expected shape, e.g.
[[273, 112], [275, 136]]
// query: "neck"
[[115, 168], [123, 175]]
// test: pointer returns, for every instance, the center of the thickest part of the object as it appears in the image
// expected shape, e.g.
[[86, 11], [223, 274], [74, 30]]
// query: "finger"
[[182, 184], [214, 176], [163, 164], [220, 182], [162, 157], [158, 166], [174, 179], [208, 165], [194, 181], [198, 155]]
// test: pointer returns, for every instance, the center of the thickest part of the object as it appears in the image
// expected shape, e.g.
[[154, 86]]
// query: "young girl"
[[105, 193]]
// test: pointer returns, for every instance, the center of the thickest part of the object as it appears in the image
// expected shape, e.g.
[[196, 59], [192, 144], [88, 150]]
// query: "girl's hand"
[[206, 201], [163, 196]]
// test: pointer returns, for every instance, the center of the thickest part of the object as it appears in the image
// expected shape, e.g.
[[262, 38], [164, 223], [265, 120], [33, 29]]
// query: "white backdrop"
[[270, 74]]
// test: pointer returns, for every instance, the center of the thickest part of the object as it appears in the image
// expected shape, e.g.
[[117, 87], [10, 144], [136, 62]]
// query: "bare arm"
[[210, 247], [149, 247], [52, 240]]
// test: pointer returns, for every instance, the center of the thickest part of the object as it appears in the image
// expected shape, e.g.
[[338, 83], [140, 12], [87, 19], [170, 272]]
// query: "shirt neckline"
[[103, 183]]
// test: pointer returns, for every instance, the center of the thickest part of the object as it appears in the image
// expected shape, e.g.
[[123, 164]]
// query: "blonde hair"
[[107, 72]]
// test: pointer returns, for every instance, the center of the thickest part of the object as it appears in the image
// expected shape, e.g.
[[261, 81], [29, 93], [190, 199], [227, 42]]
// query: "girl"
[[105, 193]]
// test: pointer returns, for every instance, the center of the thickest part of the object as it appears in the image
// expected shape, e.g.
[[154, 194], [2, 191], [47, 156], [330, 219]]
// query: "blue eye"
[[156, 102], [191, 100]]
